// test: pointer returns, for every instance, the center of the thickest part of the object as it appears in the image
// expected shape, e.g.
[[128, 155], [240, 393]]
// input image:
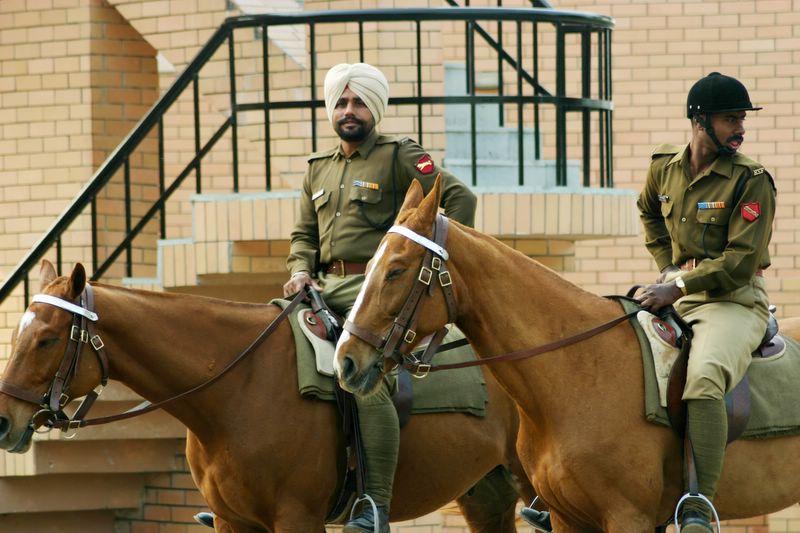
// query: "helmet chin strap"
[[721, 148]]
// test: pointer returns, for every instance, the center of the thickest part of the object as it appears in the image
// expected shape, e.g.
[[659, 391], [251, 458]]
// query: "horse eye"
[[46, 343], [394, 274]]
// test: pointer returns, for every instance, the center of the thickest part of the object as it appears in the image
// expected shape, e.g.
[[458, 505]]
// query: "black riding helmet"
[[717, 93]]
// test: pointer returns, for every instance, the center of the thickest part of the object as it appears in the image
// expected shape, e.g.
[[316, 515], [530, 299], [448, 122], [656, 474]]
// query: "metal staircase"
[[593, 105]]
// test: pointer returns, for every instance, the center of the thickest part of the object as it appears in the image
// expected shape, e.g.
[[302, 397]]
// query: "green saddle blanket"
[[461, 390], [775, 396]]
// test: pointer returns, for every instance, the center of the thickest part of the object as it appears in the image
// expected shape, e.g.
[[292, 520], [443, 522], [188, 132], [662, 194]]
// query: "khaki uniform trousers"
[[727, 329], [380, 429]]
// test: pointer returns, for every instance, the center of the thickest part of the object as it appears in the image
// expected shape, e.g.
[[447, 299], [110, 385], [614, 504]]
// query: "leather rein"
[[83, 331], [435, 258]]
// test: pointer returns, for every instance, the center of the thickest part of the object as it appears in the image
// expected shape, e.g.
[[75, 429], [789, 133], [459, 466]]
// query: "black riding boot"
[[205, 518], [707, 427], [537, 519]]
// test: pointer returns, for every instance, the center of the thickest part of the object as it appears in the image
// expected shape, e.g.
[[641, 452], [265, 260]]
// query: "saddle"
[[675, 332]]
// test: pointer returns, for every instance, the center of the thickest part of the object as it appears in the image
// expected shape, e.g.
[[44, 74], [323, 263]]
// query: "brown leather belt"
[[345, 268], [692, 263]]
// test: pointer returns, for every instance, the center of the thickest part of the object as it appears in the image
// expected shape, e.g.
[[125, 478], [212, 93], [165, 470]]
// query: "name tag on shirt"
[[317, 194]]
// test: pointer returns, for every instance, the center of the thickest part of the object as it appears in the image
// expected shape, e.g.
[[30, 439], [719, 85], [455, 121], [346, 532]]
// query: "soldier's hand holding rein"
[[297, 282]]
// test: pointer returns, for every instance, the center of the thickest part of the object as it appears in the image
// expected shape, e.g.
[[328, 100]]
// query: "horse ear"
[[48, 273], [429, 207], [414, 196], [77, 281]]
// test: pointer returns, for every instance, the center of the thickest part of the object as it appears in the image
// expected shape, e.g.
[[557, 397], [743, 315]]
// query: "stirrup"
[[376, 521], [697, 496]]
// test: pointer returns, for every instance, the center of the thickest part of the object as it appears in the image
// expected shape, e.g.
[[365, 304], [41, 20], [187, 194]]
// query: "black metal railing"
[[565, 23]]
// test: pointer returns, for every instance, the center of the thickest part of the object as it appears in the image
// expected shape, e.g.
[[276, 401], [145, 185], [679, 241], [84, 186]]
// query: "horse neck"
[[160, 345], [509, 302]]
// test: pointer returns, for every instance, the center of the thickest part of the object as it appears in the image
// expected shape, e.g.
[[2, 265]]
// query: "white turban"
[[366, 81]]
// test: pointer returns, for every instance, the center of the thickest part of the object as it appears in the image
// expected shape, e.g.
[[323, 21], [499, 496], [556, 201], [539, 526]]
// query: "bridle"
[[402, 330], [52, 403], [83, 331]]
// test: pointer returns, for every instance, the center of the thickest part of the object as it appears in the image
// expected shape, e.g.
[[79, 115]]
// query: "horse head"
[[399, 303], [36, 384]]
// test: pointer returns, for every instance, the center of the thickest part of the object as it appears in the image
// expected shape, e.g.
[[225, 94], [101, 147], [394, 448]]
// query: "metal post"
[[561, 115], [586, 92], [267, 128], [234, 120]]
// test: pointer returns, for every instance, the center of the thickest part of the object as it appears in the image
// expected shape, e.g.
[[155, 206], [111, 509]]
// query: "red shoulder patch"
[[751, 211], [425, 164]]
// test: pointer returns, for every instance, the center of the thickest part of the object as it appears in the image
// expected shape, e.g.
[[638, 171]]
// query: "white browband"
[[419, 239], [63, 304]]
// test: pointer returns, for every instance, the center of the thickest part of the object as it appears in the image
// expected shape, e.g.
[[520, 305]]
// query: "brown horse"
[[584, 440], [263, 457]]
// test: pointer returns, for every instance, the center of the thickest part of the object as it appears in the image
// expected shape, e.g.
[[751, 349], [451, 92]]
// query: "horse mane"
[[173, 296], [524, 266]]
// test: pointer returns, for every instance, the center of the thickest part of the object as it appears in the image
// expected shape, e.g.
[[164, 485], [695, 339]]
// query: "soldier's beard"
[[353, 134]]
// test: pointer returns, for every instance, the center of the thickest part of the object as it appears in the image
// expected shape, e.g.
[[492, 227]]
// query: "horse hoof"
[[206, 519]]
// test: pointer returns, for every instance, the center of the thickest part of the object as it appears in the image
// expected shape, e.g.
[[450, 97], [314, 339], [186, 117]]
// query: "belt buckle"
[[340, 263]]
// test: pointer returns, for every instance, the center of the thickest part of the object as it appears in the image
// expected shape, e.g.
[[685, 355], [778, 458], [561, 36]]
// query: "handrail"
[[119, 158]]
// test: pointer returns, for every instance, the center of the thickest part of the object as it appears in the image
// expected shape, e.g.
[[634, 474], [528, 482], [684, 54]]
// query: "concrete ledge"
[[246, 234]]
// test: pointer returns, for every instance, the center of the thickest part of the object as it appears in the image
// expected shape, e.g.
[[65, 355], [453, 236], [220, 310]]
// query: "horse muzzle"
[[15, 441], [359, 381]]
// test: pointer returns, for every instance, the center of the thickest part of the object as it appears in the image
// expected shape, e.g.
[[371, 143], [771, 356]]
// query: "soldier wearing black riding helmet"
[[707, 212]]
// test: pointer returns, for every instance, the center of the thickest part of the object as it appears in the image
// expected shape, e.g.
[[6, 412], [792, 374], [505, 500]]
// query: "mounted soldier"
[[707, 212]]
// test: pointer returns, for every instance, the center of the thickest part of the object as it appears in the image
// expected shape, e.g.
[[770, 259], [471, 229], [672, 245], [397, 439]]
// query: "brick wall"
[[75, 75], [75, 79]]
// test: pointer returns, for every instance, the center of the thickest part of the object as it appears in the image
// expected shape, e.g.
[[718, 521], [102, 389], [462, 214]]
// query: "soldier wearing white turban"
[[366, 81], [351, 195]]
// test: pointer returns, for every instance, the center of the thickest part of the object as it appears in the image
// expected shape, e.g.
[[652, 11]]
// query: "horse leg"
[[299, 522], [561, 526], [490, 505], [221, 526]]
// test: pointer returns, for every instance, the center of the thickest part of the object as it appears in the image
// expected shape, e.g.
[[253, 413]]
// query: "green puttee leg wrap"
[[380, 434], [708, 432]]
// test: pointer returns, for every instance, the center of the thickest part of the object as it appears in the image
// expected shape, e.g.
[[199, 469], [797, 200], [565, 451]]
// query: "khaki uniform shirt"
[[700, 218], [347, 204]]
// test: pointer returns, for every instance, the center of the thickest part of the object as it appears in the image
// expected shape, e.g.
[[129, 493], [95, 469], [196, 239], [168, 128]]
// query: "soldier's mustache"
[[738, 138], [350, 119]]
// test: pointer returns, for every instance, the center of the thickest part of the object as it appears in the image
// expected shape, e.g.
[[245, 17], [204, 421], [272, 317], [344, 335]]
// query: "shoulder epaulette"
[[322, 155], [756, 168], [666, 149], [744, 161], [387, 139]]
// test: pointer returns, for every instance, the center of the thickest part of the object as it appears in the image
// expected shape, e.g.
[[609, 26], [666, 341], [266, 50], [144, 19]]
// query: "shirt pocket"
[[715, 217], [666, 212], [363, 195], [713, 226]]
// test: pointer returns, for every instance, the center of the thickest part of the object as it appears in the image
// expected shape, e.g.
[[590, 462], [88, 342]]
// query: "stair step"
[[78, 492], [503, 173], [106, 456], [61, 522], [500, 144]]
